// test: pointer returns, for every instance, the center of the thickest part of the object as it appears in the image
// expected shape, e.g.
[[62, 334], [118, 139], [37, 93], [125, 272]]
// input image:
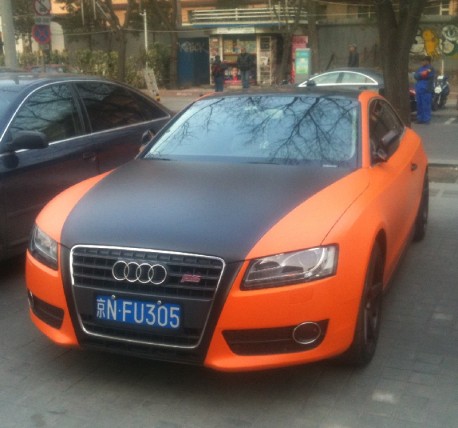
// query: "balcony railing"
[[246, 16]]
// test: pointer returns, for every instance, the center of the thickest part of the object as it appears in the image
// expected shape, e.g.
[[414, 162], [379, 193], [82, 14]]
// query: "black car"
[[58, 130], [354, 78]]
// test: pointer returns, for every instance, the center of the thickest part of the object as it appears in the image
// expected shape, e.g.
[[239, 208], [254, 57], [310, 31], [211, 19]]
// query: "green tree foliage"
[[164, 16], [161, 16], [23, 14]]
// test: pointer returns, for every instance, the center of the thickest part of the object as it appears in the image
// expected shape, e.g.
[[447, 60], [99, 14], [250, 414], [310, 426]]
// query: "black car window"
[[381, 121], [357, 78], [273, 129], [327, 78], [111, 106], [51, 110]]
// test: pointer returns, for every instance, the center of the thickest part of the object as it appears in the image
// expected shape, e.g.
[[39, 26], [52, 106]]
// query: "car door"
[[31, 177], [121, 120], [397, 177]]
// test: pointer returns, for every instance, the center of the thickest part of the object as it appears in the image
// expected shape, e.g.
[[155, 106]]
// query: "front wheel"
[[442, 101], [367, 328], [435, 103], [423, 210]]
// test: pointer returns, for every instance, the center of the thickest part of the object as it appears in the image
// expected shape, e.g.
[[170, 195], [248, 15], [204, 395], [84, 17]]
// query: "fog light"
[[307, 333]]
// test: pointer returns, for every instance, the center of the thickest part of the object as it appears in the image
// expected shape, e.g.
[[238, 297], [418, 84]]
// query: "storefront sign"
[[302, 64], [299, 42], [235, 30]]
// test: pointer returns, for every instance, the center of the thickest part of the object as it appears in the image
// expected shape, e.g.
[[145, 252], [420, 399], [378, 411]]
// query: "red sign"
[[41, 34]]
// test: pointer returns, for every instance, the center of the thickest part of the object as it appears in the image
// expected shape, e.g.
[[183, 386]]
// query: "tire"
[[367, 329], [423, 210], [435, 104], [442, 101]]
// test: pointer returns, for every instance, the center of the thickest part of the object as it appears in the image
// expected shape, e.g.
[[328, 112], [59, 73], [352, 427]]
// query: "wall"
[[437, 36]]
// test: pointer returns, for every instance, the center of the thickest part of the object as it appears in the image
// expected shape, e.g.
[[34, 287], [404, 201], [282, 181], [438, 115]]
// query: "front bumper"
[[236, 330]]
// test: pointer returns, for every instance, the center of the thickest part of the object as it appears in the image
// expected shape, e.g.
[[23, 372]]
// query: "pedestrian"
[[244, 64], [424, 89], [218, 71], [353, 56]]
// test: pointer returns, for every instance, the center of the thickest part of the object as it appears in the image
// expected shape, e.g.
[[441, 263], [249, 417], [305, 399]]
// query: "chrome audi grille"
[[189, 281], [187, 275]]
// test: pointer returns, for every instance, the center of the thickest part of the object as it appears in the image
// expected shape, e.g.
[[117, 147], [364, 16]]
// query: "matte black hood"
[[206, 208]]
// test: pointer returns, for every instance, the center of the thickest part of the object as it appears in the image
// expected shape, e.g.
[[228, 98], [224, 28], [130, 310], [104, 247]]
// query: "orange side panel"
[[308, 224], [52, 218], [46, 284]]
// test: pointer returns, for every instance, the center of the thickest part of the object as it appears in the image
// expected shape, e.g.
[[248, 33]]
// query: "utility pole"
[[145, 31], [9, 41], [150, 77]]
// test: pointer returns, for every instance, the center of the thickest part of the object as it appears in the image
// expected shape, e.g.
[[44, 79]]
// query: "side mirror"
[[311, 83], [28, 140], [387, 146], [147, 137], [389, 139]]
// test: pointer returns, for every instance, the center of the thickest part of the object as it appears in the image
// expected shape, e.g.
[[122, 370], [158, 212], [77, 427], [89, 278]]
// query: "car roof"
[[30, 79], [25, 82], [22, 83], [371, 72], [315, 91]]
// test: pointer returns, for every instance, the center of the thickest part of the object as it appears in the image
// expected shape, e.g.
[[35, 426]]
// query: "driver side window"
[[382, 120]]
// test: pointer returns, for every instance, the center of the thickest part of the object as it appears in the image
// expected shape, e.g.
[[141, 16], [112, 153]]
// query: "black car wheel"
[[435, 104], [367, 329], [422, 216]]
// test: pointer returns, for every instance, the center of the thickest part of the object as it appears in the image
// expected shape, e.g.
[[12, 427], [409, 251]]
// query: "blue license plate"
[[152, 314]]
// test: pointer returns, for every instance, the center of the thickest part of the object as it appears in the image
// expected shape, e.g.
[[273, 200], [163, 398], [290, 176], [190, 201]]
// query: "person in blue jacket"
[[424, 90]]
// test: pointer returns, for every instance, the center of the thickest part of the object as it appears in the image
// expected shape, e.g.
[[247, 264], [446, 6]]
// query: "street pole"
[[9, 41], [145, 29]]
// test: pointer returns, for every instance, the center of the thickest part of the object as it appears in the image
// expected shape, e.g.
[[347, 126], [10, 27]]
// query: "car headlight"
[[291, 268], [43, 248]]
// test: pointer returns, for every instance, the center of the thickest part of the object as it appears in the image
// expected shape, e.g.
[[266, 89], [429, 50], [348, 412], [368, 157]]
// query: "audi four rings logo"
[[143, 273]]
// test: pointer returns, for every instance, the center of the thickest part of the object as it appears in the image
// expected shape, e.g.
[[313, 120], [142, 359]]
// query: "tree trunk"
[[122, 43], [396, 35], [171, 23], [313, 35], [284, 68], [173, 72]]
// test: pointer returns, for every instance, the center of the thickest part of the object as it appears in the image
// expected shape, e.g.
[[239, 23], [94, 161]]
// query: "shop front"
[[228, 44]]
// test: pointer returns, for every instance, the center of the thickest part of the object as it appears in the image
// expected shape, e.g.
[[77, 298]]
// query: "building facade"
[[256, 27], [208, 28]]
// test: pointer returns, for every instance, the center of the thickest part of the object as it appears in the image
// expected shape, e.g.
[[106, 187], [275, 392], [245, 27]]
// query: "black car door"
[[120, 119], [31, 177]]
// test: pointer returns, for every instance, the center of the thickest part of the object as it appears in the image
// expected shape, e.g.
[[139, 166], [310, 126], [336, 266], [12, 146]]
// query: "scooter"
[[441, 92]]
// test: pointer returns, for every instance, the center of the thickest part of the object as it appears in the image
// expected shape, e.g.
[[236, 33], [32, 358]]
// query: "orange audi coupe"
[[256, 230]]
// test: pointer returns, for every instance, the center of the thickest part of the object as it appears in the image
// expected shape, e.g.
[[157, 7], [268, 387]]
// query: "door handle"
[[89, 156], [413, 166]]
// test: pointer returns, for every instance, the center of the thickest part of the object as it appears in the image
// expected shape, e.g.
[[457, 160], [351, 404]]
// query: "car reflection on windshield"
[[282, 129]]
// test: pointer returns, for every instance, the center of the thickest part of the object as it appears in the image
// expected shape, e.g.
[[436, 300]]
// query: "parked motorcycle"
[[441, 92]]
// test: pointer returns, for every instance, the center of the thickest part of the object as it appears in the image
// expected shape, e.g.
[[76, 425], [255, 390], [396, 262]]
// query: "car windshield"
[[276, 129]]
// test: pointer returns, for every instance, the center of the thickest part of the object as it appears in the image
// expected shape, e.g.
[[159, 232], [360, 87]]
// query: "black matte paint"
[[219, 209]]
